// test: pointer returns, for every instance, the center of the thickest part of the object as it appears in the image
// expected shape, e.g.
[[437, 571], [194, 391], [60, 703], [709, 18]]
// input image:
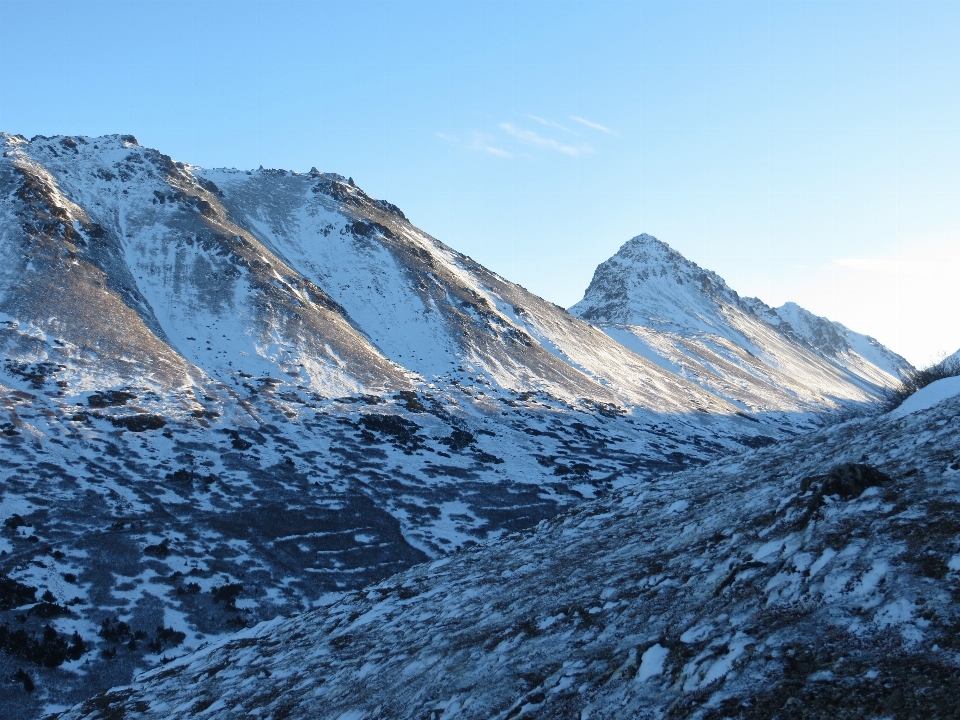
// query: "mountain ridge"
[[656, 302]]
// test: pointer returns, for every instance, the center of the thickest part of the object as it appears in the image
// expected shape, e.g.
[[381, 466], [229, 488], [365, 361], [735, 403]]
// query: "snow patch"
[[651, 662], [925, 398]]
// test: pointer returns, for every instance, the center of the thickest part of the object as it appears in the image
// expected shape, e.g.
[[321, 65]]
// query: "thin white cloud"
[[531, 138], [590, 124], [478, 142], [491, 150], [548, 123], [485, 144]]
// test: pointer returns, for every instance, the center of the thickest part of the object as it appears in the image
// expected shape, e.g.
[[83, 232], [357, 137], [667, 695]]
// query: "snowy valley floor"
[[150, 529], [758, 586]]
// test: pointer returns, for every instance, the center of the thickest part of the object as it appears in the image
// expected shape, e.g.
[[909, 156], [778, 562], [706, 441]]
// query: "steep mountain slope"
[[657, 303], [830, 339], [435, 311], [278, 272], [77, 213], [815, 578]]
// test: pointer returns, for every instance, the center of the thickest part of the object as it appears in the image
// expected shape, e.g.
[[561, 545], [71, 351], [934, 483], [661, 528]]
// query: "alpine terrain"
[[816, 579], [229, 396]]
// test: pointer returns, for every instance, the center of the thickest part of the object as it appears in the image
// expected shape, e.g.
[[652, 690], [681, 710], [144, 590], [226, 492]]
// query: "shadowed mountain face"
[[230, 395], [654, 301]]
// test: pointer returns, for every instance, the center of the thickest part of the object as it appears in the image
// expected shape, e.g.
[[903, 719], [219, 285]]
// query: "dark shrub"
[[21, 676], [401, 432], [15, 521], [110, 398], [49, 610], [14, 594], [114, 631], [227, 594], [51, 649], [165, 637], [459, 439], [848, 480], [411, 401], [139, 423], [188, 589], [160, 550]]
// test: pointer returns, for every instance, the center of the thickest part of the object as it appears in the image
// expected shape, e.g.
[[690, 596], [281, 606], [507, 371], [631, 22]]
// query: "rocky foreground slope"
[[816, 579]]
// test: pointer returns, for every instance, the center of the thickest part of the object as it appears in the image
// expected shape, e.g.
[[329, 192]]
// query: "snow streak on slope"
[[652, 300], [805, 580]]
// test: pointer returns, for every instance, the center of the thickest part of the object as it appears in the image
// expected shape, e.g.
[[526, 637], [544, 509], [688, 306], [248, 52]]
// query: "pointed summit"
[[649, 283], [651, 299]]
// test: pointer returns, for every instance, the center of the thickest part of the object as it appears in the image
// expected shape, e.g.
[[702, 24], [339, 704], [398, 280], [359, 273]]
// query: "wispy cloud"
[[517, 140], [478, 142], [491, 149], [548, 123], [590, 124], [532, 138]]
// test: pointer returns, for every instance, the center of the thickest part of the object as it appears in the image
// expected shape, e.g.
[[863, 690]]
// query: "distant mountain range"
[[228, 395]]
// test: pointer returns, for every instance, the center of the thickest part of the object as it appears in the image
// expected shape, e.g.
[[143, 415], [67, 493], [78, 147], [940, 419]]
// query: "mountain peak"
[[664, 307], [649, 283], [645, 240]]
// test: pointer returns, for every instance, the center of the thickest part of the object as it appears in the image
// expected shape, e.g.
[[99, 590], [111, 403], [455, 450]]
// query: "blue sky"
[[805, 151]]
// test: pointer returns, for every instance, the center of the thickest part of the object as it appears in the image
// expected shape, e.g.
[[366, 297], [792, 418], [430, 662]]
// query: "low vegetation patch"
[[50, 649], [14, 594]]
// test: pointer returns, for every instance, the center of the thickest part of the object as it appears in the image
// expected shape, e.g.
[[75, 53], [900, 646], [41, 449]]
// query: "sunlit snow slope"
[[654, 301]]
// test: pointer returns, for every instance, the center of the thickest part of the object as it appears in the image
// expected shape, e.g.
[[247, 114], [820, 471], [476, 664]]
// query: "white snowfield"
[[929, 396], [229, 395]]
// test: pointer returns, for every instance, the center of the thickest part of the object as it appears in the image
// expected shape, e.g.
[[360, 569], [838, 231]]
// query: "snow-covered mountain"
[[184, 275], [654, 301], [228, 395], [815, 579]]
